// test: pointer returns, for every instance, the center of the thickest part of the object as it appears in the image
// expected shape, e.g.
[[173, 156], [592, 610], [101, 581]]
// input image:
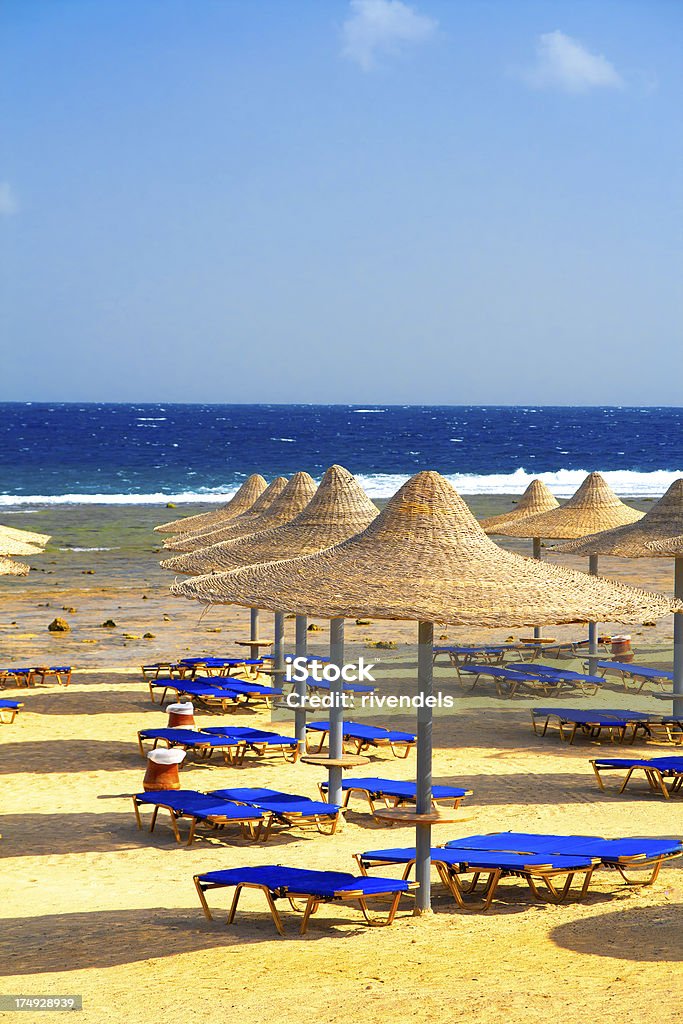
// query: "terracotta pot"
[[162, 769], [181, 716]]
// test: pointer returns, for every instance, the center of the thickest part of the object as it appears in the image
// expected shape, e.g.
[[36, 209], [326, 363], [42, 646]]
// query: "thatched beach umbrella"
[[279, 504], [657, 534], [240, 502], [426, 558], [10, 568], [247, 522], [594, 507], [339, 509], [536, 498]]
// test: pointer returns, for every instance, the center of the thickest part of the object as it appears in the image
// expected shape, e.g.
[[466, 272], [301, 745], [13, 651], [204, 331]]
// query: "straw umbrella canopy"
[[240, 502], [10, 568], [426, 558], [250, 519], [658, 534], [536, 498], [673, 546], [592, 508], [339, 509], [26, 536]]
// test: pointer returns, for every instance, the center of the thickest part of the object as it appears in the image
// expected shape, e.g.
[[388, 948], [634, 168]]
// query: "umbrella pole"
[[278, 648], [253, 634], [592, 626], [678, 640], [537, 555], [336, 711], [423, 832], [301, 650]]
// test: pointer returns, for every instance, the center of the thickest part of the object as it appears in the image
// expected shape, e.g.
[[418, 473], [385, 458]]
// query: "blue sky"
[[318, 200]]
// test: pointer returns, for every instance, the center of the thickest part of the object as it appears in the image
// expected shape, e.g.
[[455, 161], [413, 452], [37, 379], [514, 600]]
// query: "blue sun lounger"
[[315, 887], [393, 793], [617, 854], [365, 736], [549, 681], [198, 741], [9, 710], [217, 693], [591, 724], [451, 863], [258, 741], [286, 809], [657, 771], [222, 667], [638, 673], [29, 675], [200, 808], [489, 653]]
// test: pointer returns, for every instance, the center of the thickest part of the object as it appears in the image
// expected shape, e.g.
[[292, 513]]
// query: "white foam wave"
[[563, 483], [88, 549]]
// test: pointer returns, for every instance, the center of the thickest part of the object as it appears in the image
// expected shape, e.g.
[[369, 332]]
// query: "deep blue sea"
[[156, 453]]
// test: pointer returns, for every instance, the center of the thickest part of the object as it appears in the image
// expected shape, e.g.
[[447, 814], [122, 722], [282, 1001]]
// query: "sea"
[[66, 453]]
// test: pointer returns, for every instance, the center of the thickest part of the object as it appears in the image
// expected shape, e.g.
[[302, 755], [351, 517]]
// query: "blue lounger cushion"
[[185, 737], [403, 790], [325, 884], [11, 705], [616, 715], [277, 802], [485, 859], [220, 662], [663, 764], [366, 732], [608, 850], [644, 671], [245, 734], [197, 805]]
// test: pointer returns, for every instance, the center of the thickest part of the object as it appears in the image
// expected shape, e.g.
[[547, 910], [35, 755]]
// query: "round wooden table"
[[347, 761], [406, 816]]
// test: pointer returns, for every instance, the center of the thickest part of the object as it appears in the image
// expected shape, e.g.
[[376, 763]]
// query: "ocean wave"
[[563, 483], [88, 549]]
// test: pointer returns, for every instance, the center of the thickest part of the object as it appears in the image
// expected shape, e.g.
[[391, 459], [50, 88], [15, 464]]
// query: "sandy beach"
[[92, 906]]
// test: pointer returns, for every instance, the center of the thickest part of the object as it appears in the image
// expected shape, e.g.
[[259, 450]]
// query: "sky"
[[330, 201]]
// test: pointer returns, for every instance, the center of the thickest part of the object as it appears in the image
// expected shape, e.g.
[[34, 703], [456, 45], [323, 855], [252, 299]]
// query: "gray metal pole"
[[301, 650], [278, 661], [423, 833], [336, 711], [678, 640], [537, 554], [593, 626], [253, 635]]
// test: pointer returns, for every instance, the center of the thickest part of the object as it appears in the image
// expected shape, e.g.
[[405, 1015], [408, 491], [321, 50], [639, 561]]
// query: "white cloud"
[[382, 26], [563, 63], [8, 200]]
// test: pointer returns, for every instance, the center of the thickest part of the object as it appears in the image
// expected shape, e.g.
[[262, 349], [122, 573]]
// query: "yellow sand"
[[92, 906]]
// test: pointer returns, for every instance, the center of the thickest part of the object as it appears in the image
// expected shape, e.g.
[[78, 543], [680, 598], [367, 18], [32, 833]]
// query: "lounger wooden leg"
[[312, 905], [275, 913], [151, 693], [202, 898], [153, 822], [137, 813], [190, 837], [637, 881], [598, 777]]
